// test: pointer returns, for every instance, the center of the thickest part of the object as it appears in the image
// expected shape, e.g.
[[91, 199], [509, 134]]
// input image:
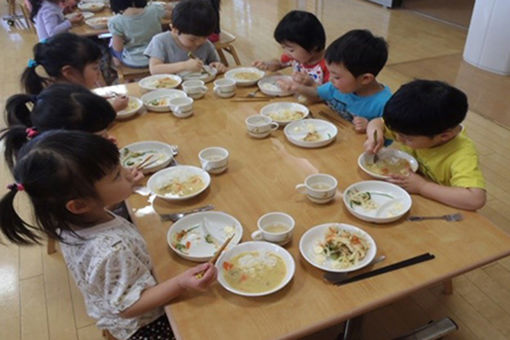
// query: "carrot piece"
[[227, 265], [188, 245]]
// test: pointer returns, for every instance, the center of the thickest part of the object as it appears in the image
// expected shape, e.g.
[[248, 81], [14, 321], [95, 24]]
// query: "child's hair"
[[216, 6], [54, 168], [36, 6], [302, 28], [359, 51], [120, 5], [60, 106], [195, 17], [53, 54], [425, 108]]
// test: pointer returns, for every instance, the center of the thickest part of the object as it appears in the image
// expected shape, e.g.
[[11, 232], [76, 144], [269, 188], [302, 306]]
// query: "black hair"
[[53, 54], [425, 108], [216, 5], [359, 51], [120, 5], [54, 168], [36, 6], [60, 106], [302, 28], [196, 17]]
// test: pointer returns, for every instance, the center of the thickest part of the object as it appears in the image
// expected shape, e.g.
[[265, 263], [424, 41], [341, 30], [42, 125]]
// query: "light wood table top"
[[261, 178]]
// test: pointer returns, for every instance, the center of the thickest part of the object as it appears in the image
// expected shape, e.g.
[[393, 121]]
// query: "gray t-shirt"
[[164, 47]]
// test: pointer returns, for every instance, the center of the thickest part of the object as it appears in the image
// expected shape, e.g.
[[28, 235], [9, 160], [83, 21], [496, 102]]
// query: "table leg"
[[352, 329]]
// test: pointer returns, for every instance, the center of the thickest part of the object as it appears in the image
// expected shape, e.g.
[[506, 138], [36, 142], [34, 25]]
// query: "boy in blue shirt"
[[353, 61]]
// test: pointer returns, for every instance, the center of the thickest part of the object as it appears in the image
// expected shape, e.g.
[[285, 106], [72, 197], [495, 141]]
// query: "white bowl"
[[168, 94], [313, 236], [269, 86], [277, 112], [298, 130], [261, 247], [386, 153], [151, 83], [163, 151], [218, 224], [391, 202], [98, 23], [91, 6], [134, 105], [86, 15], [203, 75], [180, 173], [232, 74]]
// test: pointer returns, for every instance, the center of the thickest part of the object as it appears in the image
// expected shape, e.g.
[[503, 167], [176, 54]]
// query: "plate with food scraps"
[[245, 76], [337, 247], [389, 161], [285, 112], [179, 182], [206, 75], [255, 268], [98, 23], [160, 81], [86, 15], [159, 100], [269, 85], [310, 133], [91, 6], [134, 105], [197, 237], [377, 201], [133, 154]]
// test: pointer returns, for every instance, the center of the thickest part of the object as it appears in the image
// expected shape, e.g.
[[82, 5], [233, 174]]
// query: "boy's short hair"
[[120, 5], [196, 17], [359, 51], [302, 28], [425, 108]]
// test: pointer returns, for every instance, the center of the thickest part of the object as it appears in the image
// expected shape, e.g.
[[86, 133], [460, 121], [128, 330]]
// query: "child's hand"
[[412, 182], [272, 65], [302, 77], [120, 103], [219, 66], [193, 65], [76, 19], [360, 124], [136, 175], [287, 85], [375, 140], [189, 279]]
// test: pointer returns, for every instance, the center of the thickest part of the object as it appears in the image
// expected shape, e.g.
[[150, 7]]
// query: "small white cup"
[[274, 227], [214, 159], [224, 88], [319, 188], [260, 126], [196, 89], [181, 107]]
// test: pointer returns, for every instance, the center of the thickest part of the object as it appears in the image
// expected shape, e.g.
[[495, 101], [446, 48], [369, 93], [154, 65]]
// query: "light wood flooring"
[[38, 299]]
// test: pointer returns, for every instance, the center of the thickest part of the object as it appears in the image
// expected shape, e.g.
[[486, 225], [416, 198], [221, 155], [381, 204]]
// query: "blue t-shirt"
[[350, 104]]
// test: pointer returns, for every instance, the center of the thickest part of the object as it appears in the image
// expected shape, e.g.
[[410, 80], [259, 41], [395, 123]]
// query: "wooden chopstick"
[[144, 162], [216, 255]]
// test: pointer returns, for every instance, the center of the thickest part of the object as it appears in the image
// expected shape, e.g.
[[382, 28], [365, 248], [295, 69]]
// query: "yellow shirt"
[[453, 164]]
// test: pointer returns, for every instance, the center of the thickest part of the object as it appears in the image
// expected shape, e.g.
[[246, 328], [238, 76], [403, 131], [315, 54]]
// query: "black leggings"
[[158, 329]]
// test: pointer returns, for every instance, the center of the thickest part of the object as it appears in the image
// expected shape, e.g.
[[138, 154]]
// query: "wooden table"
[[261, 178]]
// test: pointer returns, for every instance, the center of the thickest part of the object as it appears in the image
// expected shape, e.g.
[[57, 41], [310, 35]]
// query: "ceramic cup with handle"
[[194, 88], [181, 107], [319, 188], [214, 159], [224, 87], [274, 227], [260, 126]]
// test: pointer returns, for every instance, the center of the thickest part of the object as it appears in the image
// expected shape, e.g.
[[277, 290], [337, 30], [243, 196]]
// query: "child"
[[354, 60], [49, 18], [192, 22], [425, 117], [303, 39], [69, 58], [70, 177], [133, 27]]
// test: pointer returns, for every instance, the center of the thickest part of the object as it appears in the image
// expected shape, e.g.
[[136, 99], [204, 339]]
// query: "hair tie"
[[43, 41], [16, 186], [31, 132], [32, 63]]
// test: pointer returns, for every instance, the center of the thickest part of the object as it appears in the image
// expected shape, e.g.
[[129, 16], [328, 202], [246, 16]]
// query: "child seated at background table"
[[354, 60], [303, 39], [49, 18], [425, 117], [192, 22], [133, 27]]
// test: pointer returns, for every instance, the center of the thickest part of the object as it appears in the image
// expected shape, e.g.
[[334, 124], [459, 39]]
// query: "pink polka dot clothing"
[[319, 72]]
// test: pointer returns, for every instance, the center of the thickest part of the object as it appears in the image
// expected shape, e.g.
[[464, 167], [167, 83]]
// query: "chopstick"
[[330, 118], [190, 55], [143, 163], [216, 255], [391, 267]]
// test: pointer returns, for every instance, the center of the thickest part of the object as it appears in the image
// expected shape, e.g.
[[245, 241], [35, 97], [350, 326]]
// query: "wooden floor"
[[38, 300]]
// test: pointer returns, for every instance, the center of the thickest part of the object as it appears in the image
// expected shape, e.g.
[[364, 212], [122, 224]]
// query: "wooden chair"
[[225, 45], [107, 335], [25, 10], [128, 74], [19, 20]]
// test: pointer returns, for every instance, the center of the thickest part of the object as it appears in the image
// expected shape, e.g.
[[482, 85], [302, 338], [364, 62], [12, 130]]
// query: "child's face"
[[419, 142], [115, 186], [296, 52], [91, 75], [189, 42], [342, 79]]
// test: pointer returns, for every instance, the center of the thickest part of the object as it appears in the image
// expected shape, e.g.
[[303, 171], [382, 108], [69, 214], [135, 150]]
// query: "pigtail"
[[15, 137], [16, 110], [31, 81]]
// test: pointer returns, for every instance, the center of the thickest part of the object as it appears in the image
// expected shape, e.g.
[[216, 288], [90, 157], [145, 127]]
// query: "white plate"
[[158, 94], [150, 83], [241, 82], [218, 224], [135, 103], [164, 151], [260, 247], [180, 173], [91, 6], [277, 110], [298, 130], [269, 86], [386, 153], [313, 236], [204, 76], [391, 201], [86, 15], [98, 22]]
